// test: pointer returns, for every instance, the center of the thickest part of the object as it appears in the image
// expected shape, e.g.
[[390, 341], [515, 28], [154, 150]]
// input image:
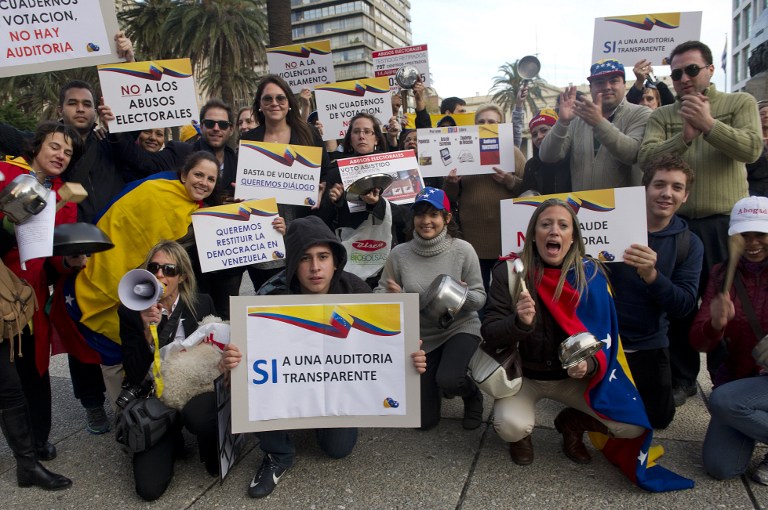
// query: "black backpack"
[[143, 422]]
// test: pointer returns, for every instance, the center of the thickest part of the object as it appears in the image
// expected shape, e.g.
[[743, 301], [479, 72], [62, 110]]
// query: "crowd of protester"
[[698, 152]]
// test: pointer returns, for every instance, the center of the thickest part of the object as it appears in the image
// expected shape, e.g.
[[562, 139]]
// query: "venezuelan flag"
[[612, 393], [336, 320]]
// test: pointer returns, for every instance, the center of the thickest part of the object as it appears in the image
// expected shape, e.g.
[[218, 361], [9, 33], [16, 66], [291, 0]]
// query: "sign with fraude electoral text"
[[611, 220], [239, 234], [342, 361], [387, 62], [304, 65], [154, 94], [470, 150], [289, 173], [38, 36], [629, 39], [401, 165], [338, 102]]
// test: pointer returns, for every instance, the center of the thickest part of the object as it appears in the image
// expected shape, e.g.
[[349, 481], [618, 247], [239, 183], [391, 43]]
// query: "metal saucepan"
[[528, 67], [367, 183], [443, 300], [406, 77], [23, 198], [79, 238], [576, 348]]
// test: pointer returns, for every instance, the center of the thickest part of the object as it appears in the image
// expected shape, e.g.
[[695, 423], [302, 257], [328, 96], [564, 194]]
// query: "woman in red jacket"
[[54, 149], [738, 317]]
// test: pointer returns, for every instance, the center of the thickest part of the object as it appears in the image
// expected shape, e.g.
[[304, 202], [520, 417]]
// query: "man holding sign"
[[314, 264]]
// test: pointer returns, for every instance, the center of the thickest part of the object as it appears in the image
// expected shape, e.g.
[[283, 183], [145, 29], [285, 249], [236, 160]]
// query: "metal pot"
[[443, 300], [364, 184], [576, 348], [406, 77], [22, 198]]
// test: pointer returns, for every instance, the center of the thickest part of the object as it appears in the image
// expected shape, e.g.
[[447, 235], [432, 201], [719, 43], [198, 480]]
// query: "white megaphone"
[[139, 289]]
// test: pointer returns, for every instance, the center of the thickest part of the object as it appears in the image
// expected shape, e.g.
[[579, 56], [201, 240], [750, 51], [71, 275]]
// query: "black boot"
[[15, 425]]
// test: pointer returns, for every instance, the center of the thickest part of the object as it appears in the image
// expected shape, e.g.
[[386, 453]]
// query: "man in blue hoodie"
[[656, 282]]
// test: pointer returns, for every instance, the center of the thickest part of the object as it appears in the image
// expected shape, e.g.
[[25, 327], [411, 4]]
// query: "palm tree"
[[37, 95], [506, 86], [279, 15], [223, 38], [143, 22]]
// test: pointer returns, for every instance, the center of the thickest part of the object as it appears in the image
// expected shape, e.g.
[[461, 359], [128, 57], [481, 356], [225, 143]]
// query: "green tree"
[[143, 23], [506, 86], [11, 114], [225, 41], [37, 95]]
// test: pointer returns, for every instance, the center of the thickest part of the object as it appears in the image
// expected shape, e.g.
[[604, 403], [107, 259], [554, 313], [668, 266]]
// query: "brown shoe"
[[522, 451], [572, 424]]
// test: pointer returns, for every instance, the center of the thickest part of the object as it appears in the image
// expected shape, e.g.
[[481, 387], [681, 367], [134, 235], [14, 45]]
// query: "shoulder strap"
[[746, 305], [683, 244]]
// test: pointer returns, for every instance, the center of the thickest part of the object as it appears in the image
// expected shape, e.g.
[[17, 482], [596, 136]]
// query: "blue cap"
[[605, 69], [434, 197]]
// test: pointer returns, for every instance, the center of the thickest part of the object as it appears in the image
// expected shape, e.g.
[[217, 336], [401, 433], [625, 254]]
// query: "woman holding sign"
[[411, 267], [381, 222]]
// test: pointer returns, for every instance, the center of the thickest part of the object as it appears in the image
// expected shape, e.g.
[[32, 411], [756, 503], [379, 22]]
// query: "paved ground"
[[446, 468]]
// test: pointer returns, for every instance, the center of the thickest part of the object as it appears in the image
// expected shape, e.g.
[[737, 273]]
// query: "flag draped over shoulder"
[[611, 393], [146, 213]]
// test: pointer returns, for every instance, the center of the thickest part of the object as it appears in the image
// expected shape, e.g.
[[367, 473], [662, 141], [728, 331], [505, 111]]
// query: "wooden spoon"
[[735, 249]]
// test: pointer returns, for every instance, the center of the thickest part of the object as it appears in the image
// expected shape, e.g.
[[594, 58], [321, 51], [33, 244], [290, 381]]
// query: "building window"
[[735, 70], [736, 29]]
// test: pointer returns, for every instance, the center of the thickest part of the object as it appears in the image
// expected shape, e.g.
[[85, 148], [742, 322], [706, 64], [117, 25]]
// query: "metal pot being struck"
[[443, 300]]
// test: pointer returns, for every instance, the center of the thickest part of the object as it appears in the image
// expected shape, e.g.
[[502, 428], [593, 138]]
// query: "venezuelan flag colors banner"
[[338, 102], [629, 39], [289, 173], [345, 358], [144, 95], [304, 65], [239, 234], [611, 220]]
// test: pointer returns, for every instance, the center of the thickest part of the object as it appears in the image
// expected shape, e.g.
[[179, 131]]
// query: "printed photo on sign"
[[338, 102], [611, 220], [631, 38], [238, 234], [289, 173], [304, 65], [387, 62], [342, 360], [400, 165], [38, 36], [145, 95], [470, 150]]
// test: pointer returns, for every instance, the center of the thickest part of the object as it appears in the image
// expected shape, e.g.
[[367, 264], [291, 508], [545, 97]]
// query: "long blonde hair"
[[188, 284], [574, 259]]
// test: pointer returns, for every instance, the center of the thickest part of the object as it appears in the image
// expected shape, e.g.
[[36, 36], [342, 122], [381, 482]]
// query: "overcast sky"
[[469, 40]]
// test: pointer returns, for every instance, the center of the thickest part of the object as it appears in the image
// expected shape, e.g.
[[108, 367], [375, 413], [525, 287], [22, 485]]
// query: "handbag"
[[498, 372], [18, 304], [143, 422]]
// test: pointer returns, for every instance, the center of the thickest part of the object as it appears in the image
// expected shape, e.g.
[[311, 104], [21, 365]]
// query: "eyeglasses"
[[168, 269], [364, 131], [281, 99], [691, 70], [223, 124]]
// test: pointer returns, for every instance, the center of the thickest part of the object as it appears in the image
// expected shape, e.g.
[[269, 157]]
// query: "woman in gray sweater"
[[411, 267]]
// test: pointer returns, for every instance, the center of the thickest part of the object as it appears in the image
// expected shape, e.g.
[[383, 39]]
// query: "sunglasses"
[[281, 99], [691, 70], [168, 269], [210, 124]]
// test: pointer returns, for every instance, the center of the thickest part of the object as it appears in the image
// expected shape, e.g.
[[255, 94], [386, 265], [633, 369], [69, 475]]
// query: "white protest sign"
[[470, 150], [289, 173], [35, 236], [629, 39], [304, 65], [338, 102], [611, 220], [401, 165], [38, 36], [146, 95], [387, 62], [238, 234], [342, 360]]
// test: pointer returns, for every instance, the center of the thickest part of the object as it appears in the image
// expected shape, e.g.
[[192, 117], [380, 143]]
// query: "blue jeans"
[[739, 412], [336, 443]]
